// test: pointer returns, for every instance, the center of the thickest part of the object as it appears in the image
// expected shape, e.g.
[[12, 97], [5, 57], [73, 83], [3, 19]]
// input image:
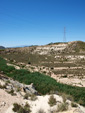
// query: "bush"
[[27, 108], [33, 97], [26, 96], [41, 111], [66, 97], [16, 107], [74, 104], [69, 97], [7, 69], [2, 86], [81, 102], [18, 89], [52, 101], [11, 92], [19, 109], [62, 107]]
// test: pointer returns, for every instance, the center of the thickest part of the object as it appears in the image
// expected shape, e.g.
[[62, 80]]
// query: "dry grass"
[[52, 101]]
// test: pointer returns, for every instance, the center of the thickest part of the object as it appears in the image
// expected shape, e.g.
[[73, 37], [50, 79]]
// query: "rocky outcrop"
[[15, 86]]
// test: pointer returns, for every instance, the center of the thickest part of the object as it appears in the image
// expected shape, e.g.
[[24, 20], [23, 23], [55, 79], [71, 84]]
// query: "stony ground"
[[6, 104], [37, 103], [6, 100]]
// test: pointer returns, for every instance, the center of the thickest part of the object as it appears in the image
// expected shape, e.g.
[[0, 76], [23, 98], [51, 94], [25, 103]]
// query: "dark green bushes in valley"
[[43, 84]]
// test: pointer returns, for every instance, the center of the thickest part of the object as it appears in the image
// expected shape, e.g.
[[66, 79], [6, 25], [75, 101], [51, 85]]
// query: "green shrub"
[[16, 107], [69, 97], [27, 108], [26, 96], [19, 109], [41, 111], [7, 69], [74, 104], [81, 102], [8, 81], [62, 107], [66, 97], [52, 101], [18, 89], [33, 97], [2, 86], [12, 92]]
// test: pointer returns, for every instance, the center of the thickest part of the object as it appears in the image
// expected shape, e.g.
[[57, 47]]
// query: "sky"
[[39, 22]]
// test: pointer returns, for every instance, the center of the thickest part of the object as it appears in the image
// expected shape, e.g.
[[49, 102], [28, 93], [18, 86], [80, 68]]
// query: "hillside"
[[63, 61], [22, 91], [2, 47], [75, 47], [56, 70]]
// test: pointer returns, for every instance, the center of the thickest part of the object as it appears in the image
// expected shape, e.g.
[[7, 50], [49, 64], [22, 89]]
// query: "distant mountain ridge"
[[52, 48], [2, 47], [19, 46]]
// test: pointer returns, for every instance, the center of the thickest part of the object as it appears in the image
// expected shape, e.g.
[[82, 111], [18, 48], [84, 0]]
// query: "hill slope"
[[75, 47], [2, 47], [63, 61]]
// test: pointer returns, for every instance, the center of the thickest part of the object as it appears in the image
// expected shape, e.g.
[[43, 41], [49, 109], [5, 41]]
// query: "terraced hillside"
[[63, 61]]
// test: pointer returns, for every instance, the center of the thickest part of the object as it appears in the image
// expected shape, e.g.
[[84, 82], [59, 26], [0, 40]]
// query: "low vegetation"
[[41, 111], [62, 107], [11, 92], [43, 84], [33, 97], [26, 96], [74, 104], [21, 109], [2, 86], [75, 47], [52, 101]]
